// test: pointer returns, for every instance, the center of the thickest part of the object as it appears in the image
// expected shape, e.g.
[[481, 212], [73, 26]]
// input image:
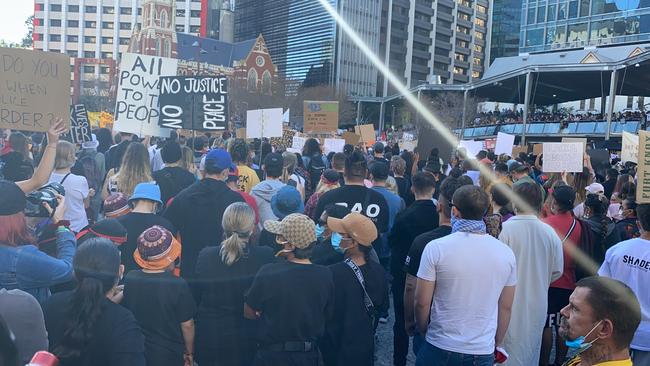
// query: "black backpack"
[[315, 167], [87, 166]]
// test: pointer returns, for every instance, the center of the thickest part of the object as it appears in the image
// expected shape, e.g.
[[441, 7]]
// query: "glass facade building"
[[506, 22], [558, 24]]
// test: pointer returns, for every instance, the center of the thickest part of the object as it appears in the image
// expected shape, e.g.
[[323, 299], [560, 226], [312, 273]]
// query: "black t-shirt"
[[160, 302], [117, 339], [296, 301], [419, 218], [412, 262], [404, 190], [324, 254], [360, 199], [136, 223], [172, 180], [350, 334]]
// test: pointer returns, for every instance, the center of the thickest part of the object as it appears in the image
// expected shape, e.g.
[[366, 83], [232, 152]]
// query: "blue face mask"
[[579, 343], [320, 230], [336, 242]]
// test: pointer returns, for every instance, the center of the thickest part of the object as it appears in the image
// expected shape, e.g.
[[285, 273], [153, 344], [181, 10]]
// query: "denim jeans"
[[418, 341], [430, 355]]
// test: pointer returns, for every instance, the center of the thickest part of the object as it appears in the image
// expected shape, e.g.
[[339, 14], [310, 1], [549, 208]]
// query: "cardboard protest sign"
[[79, 125], [333, 145], [320, 116], [504, 145], [538, 149], [630, 147], [351, 138], [136, 109], [518, 149], [264, 123], [562, 157], [34, 89], [643, 169], [367, 133], [240, 133], [194, 103]]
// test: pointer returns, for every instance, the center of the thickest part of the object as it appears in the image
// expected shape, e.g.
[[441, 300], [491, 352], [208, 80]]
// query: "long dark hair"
[[96, 267], [104, 138], [311, 148], [598, 206]]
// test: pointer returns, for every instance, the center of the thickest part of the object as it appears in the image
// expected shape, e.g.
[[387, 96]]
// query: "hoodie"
[[263, 193], [612, 236]]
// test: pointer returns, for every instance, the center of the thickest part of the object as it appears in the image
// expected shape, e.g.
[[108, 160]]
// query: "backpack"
[[315, 167], [304, 174], [587, 247], [87, 167]]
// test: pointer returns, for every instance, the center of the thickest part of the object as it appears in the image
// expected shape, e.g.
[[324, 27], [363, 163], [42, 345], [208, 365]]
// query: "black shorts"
[[557, 299]]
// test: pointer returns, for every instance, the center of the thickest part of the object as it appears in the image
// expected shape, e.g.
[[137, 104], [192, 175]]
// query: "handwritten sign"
[[630, 148], [333, 145], [34, 89], [194, 103], [351, 138], [563, 157], [504, 145], [367, 133], [538, 149], [240, 133], [298, 143], [577, 139], [136, 109], [320, 116], [643, 170], [264, 123], [79, 125]]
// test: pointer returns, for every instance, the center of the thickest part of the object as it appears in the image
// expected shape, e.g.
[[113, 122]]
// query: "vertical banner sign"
[[194, 103], [136, 109], [643, 170], [630, 148], [320, 116], [34, 89], [79, 125]]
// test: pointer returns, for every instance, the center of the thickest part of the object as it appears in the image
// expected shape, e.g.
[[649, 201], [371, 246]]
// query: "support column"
[[382, 108], [417, 114], [359, 106], [526, 105], [463, 117], [612, 96]]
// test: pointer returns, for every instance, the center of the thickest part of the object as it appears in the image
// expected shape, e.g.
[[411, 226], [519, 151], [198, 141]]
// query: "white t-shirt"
[[629, 262], [470, 271], [76, 190]]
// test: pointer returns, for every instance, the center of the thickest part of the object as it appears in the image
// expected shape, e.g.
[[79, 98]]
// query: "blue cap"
[[146, 191], [219, 159], [286, 202]]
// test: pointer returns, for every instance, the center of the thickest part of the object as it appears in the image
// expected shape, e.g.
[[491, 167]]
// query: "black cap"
[[378, 147], [516, 167], [379, 170], [12, 198], [171, 152], [273, 160], [564, 195], [432, 166]]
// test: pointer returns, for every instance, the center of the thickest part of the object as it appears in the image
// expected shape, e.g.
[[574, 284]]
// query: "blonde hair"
[[398, 165], [187, 161], [323, 187], [238, 224], [391, 184], [135, 168], [65, 155]]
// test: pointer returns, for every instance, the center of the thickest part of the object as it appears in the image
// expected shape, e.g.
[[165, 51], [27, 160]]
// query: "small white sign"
[[630, 150], [333, 145], [264, 123], [472, 147], [563, 157], [298, 143], [504, 145]]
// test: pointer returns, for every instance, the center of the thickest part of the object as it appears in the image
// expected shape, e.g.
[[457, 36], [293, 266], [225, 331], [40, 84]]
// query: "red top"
[[251, 202], [562, 223]]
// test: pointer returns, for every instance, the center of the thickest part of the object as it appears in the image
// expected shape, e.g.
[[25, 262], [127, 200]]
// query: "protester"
[[240, 152], [420, 217], [16, 161], [378, 153], [86, 326], [328, 248], [115, 154], [329, 180], [172, 178], [628, 262], [187, 162], [611, 178], [224, 273], [135, 169], [294, 299], [477, 299], [265, 190], [161, 303], [361, 292], [314, 161], [398, 168], [338, 164], [92, 165], [288, 173], [145, 203], [197, 210], [627, 227], [603, 228], [110, 229], [582, 190], [232, 182], [538, 251], [116, 205], [22, 265], [302, 173], [105, 140], [600, 321], [502, 209], [24, 318]]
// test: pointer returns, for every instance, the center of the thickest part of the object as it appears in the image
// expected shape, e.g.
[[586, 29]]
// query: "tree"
[[448, 108], [28, 40]]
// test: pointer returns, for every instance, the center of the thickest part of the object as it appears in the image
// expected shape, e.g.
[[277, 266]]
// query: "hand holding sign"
[[58, 128]]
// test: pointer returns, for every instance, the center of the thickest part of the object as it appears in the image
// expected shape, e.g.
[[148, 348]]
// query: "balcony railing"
[[550, 129]]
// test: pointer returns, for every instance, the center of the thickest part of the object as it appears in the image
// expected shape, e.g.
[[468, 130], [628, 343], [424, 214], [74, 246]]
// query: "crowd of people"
[[505, 116], [212, 250]]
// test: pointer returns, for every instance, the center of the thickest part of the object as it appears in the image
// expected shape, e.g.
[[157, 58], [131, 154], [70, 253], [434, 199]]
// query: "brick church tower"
[[156, 36]]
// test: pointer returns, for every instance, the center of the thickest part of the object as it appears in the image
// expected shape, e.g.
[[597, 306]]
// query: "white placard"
[[333, 145], [298, 143], [472, 147], [563, 157], [504, 145], [136, 107], [408, 136], [630, 148], [264, 123], [408, 145]]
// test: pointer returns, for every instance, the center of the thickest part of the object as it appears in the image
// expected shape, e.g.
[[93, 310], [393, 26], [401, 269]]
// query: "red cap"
[[43, 358]]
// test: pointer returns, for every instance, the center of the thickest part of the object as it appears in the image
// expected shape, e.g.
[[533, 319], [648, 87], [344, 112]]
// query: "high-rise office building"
[[431, 41], [562, 24], [506, 23], [219, 20], [308, 46]]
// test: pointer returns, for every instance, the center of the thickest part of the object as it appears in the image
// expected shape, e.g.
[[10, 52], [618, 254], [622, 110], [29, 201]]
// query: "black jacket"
[[114, 155], [604, 236], [197, 212]]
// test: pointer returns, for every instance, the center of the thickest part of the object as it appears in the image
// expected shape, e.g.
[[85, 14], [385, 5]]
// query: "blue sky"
[[12, 19]]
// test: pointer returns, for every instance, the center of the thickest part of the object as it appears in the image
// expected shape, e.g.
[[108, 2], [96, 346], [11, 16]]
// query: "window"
[[163, 19], [124, 41], [573, 9], [91, 9], [126, 11], [460, 57], [55, 22], [73, 23], [108, 10], [139, 11], [89, 69], [90, 39], [534, 37], [478, 48], [180, 28], [73, 53], [90, 24], [89, 54], [602, 29], [459, 70], [195, 29], [107, 25], [561, 15], [463, 16], [195, 13], [266, 83], [477, 61], [584, 8], [480, 22], [577, 32], [476, 74], [180, 12], [530, 19], [55, 7], [55, 38], [107, 54], [125, 26], [461, 43], [540, 14], [107, 40], [462, 29], [73, 38], [479, 35], [167, 48], [252, 80], [481, 9], [104, 70], [73, 8], [552, 9]]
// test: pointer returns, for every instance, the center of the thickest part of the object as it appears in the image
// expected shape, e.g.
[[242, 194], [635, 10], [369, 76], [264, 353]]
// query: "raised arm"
[[44, 169]]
